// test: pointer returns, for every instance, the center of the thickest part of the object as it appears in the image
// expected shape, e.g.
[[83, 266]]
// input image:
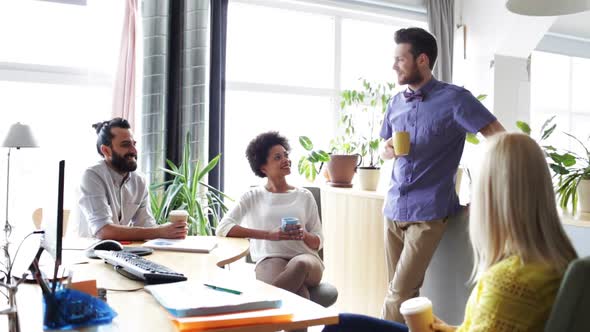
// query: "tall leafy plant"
[[569, 168], [187, 190], [363, 108]]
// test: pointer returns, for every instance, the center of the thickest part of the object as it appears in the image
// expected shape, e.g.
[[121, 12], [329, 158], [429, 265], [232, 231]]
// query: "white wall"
[[512, 90], [498, 44]]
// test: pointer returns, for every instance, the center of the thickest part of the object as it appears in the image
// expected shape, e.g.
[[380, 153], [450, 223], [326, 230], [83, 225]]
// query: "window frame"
[[340, 10]]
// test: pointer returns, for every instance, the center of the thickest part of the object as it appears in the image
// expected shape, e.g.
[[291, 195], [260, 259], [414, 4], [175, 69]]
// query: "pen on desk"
[[222, 289]]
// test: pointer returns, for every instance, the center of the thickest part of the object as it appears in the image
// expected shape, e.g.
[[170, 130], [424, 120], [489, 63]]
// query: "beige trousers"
[[295, 275], [409, 247]]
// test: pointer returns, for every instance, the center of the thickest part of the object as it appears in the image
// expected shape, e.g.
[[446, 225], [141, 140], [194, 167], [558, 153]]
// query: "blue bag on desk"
[[68, 309]]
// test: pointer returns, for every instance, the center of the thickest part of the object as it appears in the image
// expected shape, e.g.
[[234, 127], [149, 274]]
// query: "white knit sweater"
[[263, 210]]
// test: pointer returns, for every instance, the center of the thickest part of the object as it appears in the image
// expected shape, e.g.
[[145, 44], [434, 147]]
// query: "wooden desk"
[[139, 311]]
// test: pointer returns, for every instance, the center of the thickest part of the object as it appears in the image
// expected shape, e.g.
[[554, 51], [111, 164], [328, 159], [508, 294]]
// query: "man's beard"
[[413, 77], [123, 165]]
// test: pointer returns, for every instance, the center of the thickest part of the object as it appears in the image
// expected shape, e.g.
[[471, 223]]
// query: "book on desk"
[[199, 323], [192, 299], [198, 244]]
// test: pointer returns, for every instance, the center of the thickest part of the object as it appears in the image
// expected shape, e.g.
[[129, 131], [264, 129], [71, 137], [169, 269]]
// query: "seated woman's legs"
[[294, 275], [361, 323]]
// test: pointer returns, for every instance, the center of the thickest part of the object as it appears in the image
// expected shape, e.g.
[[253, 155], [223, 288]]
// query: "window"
[[287, 62], [57, 63], [559, 88]]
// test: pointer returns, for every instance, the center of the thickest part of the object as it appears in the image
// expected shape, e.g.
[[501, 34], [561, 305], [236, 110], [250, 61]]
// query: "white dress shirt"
[[108, 198]]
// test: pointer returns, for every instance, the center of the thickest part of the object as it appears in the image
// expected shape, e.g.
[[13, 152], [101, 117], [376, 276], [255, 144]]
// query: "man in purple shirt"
[[422, 195]]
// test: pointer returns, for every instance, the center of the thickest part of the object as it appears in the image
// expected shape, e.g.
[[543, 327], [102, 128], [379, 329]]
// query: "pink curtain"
[[124, 87]]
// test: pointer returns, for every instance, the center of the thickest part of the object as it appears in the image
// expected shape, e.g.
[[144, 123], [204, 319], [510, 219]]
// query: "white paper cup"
[[418, 314], [178, 215]]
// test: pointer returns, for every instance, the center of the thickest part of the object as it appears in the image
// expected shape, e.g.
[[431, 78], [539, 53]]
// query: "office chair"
[[323, 294], [38, 218], [570, 310]]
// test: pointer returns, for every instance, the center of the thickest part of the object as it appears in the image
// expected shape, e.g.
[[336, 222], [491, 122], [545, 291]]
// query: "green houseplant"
[[571, 170], [364, 109], [187, 190], [308, 164]]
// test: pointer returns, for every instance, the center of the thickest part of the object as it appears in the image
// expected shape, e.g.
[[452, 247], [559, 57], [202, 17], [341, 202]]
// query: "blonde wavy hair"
[[513, 210]]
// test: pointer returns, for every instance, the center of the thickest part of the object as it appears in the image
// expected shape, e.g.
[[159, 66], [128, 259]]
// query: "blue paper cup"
[[287, 222]]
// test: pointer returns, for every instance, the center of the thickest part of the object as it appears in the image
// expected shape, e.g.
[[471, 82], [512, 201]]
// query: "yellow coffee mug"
[[401, 143]]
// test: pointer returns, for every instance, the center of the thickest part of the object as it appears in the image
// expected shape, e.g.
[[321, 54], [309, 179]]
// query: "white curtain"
[[124, 87]]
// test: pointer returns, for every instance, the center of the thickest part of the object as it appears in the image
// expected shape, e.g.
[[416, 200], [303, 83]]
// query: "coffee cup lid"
[[290, 220], [415, 305], [178, 213]]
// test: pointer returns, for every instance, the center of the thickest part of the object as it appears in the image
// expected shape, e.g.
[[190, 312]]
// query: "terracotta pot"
[[341, 168], [368, 178]]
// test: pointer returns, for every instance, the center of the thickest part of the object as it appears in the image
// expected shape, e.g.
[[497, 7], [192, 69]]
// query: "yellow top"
[[511, 296]]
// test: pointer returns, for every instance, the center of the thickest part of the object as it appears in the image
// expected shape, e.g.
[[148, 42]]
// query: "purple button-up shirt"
[[423, 182]]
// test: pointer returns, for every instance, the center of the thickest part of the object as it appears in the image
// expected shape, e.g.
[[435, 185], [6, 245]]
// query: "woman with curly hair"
[[284, 258]]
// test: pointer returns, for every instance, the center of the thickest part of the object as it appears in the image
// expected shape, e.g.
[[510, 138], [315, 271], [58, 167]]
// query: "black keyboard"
[[139, 267]]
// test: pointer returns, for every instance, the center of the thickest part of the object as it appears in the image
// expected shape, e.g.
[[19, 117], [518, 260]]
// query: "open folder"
[[190, 298]]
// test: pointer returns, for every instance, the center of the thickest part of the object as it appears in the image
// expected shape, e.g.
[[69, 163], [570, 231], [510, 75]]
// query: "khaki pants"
[[409, 247], [295, 275]]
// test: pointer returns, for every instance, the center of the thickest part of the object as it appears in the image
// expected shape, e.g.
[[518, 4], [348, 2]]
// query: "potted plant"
[[187, 190], [364, 108], [571, 169], [343, 161]]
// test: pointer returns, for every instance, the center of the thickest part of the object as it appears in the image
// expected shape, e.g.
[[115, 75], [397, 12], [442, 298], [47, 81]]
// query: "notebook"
[[202, 244], [193, 298], [270, 316]]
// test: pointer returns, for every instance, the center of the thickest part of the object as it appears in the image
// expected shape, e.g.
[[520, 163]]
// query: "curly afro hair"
[[259, 148]]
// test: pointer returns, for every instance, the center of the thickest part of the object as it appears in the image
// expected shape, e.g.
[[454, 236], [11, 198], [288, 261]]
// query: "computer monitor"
[[52, 240]]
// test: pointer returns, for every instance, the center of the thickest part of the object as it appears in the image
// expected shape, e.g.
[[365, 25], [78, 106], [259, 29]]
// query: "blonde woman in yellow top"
[[520, 248]]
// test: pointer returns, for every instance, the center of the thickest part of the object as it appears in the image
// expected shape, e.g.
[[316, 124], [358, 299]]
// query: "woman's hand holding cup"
[[290, 229]]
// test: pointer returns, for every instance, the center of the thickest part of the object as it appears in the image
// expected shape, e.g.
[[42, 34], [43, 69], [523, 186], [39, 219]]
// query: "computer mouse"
[[109, 245]]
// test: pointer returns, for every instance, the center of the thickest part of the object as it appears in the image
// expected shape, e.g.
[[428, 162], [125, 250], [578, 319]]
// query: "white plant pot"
[[584, 196], [368, 178]]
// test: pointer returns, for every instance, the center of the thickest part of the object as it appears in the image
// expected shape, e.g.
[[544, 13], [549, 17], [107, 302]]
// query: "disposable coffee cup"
[[288, 223], [178, 215], [418, 314], [401, 143]]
